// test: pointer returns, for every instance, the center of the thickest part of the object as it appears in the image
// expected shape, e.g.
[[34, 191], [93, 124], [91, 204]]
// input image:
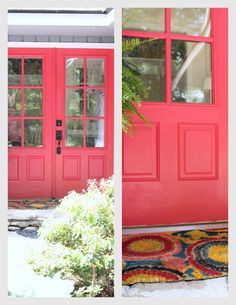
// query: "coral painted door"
[[60, 120], [176, 170], [30, 89], [85, 108]]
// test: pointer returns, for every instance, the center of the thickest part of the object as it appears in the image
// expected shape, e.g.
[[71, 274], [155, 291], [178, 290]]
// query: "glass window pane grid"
[[33, 75], [74, 82], [206, 89], [15, 131], [155, 23], [84, 117], [20, 83], [14, 102], [38, 96], [22, 117], [75, 136], [74, 102], [197, 35], [169, 36], [98, 142], [148, 59], [102, 59], [37, 135], [167, 31]]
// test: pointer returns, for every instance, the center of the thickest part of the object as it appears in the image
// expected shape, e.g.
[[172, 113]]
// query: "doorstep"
[[33, 203]]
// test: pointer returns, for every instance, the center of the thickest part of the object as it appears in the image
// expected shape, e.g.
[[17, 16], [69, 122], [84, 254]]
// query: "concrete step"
[[21, 219]]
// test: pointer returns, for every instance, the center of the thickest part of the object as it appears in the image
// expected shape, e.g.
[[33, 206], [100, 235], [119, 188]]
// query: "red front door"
[[60, 120], [84, 104], [176, 171], [30, 117]]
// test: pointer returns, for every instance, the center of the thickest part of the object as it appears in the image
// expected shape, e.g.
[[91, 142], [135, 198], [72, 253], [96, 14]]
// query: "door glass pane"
[[33, 133], [95, 71], [74, 71], [95, 133], [14, 102], [74, 133], [144, 67], [33, 72], [14, 71], [95, 102], [74, 102], [144, 19], [191, 21], [33, 102], [191, 72], [14, 133]]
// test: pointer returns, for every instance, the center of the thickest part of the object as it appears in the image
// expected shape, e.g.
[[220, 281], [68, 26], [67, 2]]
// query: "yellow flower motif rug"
[[175, 256]]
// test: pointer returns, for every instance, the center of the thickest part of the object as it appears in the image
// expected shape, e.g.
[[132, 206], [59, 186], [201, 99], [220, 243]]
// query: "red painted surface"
[[176, 171], [30, 168], [75, 165], [38, 172]]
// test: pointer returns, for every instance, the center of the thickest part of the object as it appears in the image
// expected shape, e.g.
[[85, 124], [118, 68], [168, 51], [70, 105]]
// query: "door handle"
[[58, 135], [59, 138]]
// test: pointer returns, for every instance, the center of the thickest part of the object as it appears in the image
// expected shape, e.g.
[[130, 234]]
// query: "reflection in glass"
[[14, 102], [74, 102], [74, 71], [95, 102], [145, 61], [191, 21], [144, 19], [14, 71], [95, 71], [33, 71], [33, 102], [74, 133], [95, 133], [191, 72], [14, 133], [33, 133]]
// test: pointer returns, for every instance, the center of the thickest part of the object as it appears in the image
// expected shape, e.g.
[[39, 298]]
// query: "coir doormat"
[[175, 256]]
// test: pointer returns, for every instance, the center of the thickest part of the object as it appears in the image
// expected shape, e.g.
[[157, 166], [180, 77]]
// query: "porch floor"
[[203, 288]]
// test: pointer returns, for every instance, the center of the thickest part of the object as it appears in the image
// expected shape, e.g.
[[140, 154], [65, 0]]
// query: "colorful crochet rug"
[[175, 256]]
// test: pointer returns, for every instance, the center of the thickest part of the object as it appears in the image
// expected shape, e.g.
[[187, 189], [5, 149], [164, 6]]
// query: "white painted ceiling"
[[61, 24]]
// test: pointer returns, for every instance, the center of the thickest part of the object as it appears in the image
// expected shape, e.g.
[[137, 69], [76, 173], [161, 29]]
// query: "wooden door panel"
[[176, 170], [30, 162], [75, 165], [143, 163], [198, 151]]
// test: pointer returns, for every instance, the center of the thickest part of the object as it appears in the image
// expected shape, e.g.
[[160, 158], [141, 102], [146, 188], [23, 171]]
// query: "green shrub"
[[79, 245]]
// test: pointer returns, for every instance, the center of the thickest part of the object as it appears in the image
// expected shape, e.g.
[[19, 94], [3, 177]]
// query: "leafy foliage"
[[79, 245], [133, 88]]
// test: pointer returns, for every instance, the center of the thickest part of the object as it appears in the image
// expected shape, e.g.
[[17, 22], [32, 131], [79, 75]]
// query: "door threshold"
[[182, 227], [35, 203]]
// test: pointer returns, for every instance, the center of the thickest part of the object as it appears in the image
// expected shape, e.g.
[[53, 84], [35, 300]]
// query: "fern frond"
[[133, 87]]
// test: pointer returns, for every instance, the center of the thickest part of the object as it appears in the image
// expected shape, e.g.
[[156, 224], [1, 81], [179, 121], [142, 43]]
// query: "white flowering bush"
[[79, 245]]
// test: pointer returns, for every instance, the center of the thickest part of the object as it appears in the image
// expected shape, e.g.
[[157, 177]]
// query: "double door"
[[60, 127]]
